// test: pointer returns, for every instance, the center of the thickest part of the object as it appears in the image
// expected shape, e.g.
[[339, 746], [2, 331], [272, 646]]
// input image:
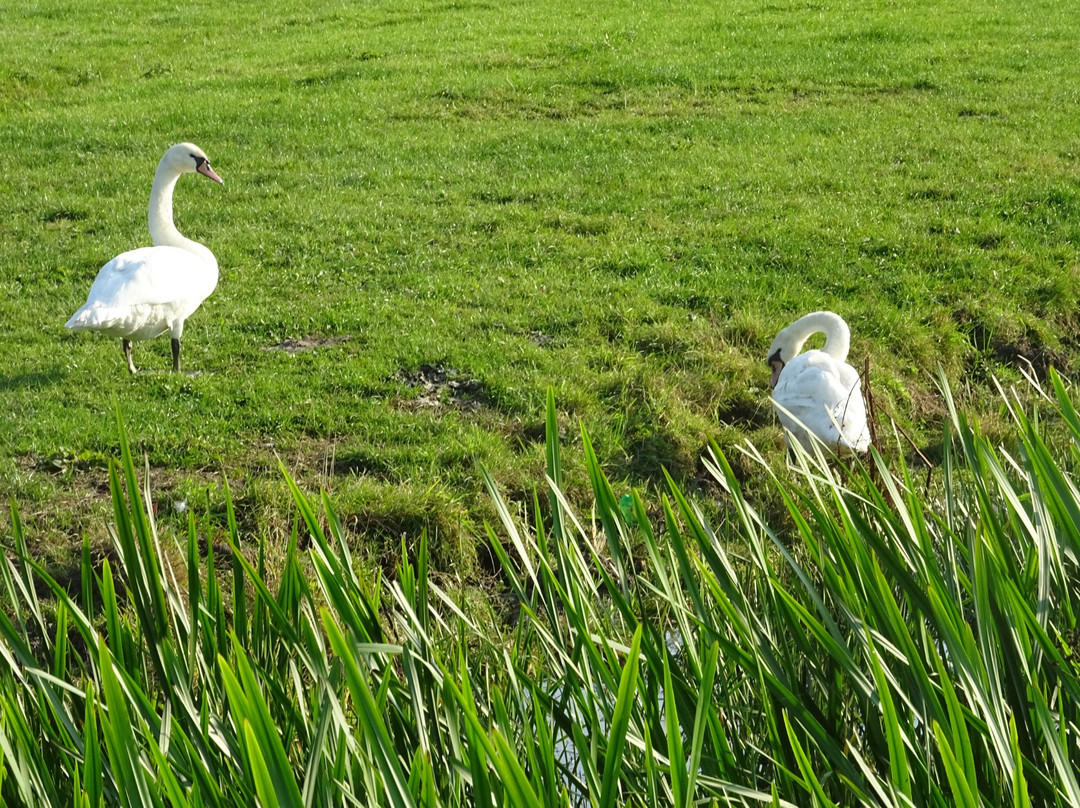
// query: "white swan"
[[143, 293], [817, 393]]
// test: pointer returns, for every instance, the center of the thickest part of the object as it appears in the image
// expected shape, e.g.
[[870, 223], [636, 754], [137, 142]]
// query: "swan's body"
[[143, 293], [816, 394]]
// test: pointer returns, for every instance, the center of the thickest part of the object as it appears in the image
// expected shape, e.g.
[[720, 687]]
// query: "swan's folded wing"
[[817, 396], [799, 411], [848, 377], [812, 377], [152, 276], [850, 410]]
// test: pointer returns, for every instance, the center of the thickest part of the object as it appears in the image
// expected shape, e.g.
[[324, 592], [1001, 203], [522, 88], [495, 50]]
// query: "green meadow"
[[472, 492], [445, 209]]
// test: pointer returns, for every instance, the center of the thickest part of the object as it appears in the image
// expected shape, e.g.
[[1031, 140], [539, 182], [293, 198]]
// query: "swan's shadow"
[[183, 374], [27, 381]]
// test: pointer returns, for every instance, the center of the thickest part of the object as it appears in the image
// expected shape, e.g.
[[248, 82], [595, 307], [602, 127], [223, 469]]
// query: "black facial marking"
[[776, 358], [198, 160]]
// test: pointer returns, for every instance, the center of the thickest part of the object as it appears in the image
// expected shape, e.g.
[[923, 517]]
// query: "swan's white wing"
[[814, 394], [141, 293], [850, 411], [153, 276]]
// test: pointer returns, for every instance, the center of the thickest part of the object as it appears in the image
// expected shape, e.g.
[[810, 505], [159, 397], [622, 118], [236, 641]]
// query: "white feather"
[[143, 293]]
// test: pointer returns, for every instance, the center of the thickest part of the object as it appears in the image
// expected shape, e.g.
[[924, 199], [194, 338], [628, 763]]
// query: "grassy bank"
[[434, 213]]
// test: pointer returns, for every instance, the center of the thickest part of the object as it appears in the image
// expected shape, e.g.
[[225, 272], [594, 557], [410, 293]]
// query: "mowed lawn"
[[433, 212]]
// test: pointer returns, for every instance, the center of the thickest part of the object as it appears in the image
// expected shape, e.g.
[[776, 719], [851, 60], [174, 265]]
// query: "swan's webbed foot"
[[127, 355]]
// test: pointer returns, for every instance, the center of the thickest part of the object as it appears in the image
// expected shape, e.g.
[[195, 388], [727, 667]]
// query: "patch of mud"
[[984, 114], [305, 344], [441, 387]]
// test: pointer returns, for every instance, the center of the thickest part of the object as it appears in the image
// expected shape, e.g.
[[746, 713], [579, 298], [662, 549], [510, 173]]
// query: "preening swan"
[[817, 393], [143, 293]]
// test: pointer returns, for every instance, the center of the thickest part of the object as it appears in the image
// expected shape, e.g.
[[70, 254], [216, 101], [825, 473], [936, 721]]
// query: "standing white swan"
[[817, 393], [143, 293]]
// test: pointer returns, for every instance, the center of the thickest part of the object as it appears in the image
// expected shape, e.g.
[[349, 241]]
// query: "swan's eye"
[[775, 358], [198, 160]]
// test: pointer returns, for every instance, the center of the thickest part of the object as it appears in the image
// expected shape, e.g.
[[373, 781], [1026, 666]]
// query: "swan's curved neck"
[[837, 333], [163, 232]]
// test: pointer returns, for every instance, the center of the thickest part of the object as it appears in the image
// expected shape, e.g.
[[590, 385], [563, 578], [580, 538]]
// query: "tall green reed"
[[883, 648]]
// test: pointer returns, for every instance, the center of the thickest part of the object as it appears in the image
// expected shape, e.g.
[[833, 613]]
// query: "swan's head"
[[784, 348], [790, 340], [187, 158], [780, 353]]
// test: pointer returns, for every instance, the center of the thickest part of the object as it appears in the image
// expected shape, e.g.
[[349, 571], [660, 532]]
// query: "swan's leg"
[[175, 355], [127, 355]]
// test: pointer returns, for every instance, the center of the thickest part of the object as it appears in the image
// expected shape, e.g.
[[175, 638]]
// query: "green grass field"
[[452, 235], [456, 206]]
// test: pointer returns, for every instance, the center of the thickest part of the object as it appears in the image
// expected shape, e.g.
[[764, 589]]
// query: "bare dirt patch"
[[745, 411], [441, 388], [305, 344]]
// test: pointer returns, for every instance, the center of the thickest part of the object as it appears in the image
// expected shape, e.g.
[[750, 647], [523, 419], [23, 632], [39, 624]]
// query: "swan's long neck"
[[837, 333], [163, 232]]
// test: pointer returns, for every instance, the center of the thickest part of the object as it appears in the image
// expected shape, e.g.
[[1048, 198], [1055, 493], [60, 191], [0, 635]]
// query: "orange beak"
[[204, 169], [776, 368]]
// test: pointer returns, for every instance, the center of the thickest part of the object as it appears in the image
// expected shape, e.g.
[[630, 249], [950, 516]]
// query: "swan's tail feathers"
[[84, 318], [78, 320], [860, 443], [94, 318]]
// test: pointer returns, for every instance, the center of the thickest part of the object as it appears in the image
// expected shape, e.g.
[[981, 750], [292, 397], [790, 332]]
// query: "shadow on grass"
[[28, 381]]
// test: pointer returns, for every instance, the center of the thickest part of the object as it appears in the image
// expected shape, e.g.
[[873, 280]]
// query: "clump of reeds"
[[886, 649]]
